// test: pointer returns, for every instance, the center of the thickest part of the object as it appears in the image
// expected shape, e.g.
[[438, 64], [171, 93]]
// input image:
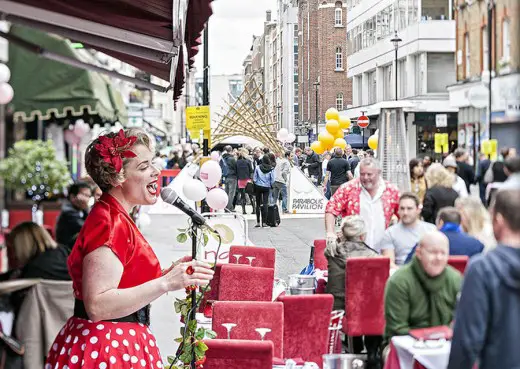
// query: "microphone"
[[170, 196]]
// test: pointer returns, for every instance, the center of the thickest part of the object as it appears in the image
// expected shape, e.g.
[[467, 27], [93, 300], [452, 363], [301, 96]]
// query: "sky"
[[231, 30]]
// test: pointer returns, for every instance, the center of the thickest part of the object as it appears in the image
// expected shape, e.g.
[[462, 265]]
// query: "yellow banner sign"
[[197, 118]]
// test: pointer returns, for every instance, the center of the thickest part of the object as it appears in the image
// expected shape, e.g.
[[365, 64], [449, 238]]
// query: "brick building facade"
[[322, 58], [469, 94]]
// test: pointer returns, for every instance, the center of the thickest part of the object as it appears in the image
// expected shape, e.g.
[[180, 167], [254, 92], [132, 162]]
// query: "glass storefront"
[[426, 129]]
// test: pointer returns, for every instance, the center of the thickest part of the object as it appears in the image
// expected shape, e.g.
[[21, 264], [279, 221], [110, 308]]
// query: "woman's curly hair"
[[103, 173], [437, 175]]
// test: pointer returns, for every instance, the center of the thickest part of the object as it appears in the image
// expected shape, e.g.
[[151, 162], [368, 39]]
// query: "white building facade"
[[281, 60], [224, 89], [425, 65]]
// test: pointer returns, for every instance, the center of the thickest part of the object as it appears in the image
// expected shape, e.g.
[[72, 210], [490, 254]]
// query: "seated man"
[[401, 238], [73, 213], [424, 292], [449, 222]]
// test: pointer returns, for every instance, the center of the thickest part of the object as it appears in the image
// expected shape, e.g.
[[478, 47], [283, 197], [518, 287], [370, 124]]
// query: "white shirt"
[[460, 187], [371, 210]]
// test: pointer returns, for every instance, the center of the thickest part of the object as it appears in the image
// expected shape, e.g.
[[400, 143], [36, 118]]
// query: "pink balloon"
[[6, 93], [217, 199], [71, 138], [81, 128], [210, 173], [215, 156]]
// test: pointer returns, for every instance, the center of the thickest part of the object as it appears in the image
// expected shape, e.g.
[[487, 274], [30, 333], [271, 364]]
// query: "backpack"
[[224, 167]]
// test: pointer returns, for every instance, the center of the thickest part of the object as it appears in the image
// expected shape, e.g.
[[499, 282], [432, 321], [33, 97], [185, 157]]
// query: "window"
[[467, 57], [372, 87], [485, 49], [339, 101], [359, 89], [339, 59], [506, 41], [338, 17]]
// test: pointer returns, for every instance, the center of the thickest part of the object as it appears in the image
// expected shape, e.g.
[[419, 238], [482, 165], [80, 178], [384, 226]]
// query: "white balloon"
[[210, 173], [217, 199], [5, 73], [283, 132], [194, 190], [6, 93], [280, 138], [291, 137]]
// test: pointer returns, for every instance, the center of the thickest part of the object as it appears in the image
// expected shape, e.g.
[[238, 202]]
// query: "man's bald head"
[[433, 251]]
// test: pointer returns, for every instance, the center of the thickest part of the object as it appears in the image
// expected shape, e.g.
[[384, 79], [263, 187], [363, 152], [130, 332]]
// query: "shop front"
[[427, 125], [472, 101]]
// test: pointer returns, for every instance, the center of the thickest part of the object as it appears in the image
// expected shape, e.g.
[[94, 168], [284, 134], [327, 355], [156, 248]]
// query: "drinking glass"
[[229, 327], [262, 332], [237, 256]]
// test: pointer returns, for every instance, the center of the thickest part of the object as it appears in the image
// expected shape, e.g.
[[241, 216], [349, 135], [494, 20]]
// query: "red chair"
[[320, 261], [18, 216], [365, 280], [212, 294], [238, 354], [458, 262], [249, 315], [309, 340], [264, 256], [245, 283], [50, 217]]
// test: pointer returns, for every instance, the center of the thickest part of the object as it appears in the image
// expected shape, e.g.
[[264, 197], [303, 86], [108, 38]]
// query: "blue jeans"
[[277, 188]]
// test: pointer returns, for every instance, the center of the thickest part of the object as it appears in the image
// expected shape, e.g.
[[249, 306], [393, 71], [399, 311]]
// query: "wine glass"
[[237, 256], [250, 258], [262, 332], [229, 327]]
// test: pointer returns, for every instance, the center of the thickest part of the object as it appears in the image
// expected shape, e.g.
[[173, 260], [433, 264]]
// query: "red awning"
[[143, 33]]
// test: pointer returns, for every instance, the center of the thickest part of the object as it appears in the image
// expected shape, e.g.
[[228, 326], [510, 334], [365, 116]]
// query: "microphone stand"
[[192, 316]]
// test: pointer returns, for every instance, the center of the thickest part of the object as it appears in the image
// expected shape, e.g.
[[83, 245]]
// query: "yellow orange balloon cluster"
[[373, 142], [333, 135]]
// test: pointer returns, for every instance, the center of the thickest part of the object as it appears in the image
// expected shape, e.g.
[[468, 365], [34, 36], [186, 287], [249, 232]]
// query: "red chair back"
[[365, 280], [264, 256], [238, 354], [212, 294], [458, 262], [50, 217], [249, 315], [17, 216], [320, 261], [245, 283], [309, 340]]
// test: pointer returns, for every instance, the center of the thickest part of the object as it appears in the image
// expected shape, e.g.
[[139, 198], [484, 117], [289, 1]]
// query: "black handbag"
[[250, 188]]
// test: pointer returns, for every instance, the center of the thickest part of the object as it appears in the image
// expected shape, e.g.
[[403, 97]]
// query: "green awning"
[[44, 87]]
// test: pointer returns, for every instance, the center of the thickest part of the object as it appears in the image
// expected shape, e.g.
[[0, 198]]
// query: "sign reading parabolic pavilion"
[[304, 196]]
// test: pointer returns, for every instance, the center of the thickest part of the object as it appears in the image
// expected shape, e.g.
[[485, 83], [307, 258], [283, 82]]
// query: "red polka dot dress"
[[86, 344]]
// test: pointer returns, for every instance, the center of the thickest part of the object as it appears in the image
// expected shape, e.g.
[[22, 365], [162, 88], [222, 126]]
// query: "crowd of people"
[[419, 230]]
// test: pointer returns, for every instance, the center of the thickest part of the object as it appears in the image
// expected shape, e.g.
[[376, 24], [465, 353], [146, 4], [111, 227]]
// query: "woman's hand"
[[184, 259], [177, 277]]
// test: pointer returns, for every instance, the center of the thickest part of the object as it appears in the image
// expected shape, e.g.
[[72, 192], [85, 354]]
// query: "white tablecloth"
[[430, 358]]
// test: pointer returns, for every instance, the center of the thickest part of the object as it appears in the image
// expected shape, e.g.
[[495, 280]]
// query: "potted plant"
[[31, 167]]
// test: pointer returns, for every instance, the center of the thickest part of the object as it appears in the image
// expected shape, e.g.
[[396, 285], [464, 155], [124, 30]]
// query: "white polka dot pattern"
[[83, 344]]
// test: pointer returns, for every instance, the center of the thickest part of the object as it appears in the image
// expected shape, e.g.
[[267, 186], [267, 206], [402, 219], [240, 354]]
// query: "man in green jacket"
[[424, 292]]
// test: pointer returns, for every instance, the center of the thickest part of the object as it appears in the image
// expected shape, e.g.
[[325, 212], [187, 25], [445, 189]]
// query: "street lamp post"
[[396, 40], [490, 24], [316, 85]]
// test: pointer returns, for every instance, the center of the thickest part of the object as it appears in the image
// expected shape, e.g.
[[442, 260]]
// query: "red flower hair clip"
[[114, 149]]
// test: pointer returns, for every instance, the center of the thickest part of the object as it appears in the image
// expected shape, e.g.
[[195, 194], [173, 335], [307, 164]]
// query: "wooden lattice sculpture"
[[250, 116]]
